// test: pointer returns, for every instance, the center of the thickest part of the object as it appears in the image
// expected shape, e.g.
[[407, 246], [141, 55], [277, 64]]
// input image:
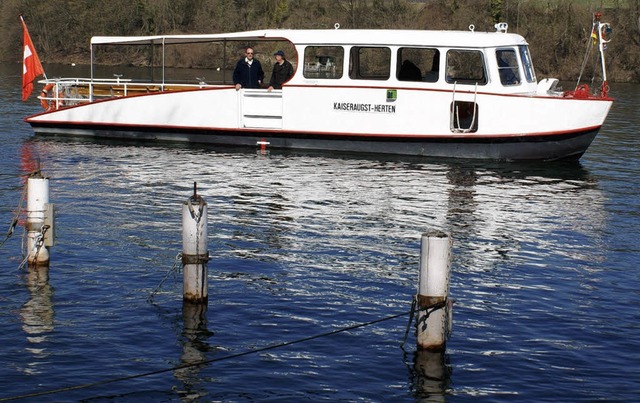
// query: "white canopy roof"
[[332, 37]]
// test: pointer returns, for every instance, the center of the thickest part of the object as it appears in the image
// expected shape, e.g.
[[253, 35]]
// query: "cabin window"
[[508, 66], [418, 64], [466, 67], [529, 73], [367, 63], [323, 62]]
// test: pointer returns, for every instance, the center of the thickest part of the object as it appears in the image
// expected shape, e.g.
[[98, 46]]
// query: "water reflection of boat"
[[505, 208], [286, 191], [429, 93]]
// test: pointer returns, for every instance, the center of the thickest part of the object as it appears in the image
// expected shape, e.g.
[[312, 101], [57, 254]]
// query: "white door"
[[261, 109]]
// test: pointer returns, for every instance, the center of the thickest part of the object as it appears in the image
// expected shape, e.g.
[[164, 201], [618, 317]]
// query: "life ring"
[[605, 32], [44, 95]]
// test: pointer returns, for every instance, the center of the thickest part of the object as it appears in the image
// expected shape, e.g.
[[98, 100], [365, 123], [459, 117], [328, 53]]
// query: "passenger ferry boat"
[[454, 94]]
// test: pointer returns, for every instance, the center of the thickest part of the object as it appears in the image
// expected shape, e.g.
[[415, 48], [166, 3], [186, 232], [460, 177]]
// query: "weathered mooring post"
[[39, 220], [195, 254], [434, 307]]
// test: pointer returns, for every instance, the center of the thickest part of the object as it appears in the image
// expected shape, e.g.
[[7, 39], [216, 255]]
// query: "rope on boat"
[[584, 63], [598, 31], [428, 309]]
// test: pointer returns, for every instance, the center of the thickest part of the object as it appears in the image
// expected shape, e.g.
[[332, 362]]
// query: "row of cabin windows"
[[417, 64]]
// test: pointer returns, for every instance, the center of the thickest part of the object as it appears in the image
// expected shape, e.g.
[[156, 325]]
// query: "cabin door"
[[260, 109]]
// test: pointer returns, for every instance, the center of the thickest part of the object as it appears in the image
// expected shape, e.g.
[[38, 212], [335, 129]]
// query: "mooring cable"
[[16, 218], [172, 270], [428, 311], [204, 362]]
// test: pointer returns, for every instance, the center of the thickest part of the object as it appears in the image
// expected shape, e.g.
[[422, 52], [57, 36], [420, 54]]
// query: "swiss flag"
[[31, 66]]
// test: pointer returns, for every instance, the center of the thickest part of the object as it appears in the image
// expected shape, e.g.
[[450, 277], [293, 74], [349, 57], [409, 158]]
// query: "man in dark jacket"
[[282, 71], [248, 72]]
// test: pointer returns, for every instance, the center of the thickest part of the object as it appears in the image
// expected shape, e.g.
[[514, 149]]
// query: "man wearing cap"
[[248, 72], [282, 71]]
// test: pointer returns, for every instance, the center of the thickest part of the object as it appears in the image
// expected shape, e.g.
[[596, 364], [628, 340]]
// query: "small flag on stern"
[[31, 66]]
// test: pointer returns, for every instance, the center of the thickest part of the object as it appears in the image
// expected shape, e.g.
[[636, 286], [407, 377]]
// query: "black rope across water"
[[204, 362], [428, 311]]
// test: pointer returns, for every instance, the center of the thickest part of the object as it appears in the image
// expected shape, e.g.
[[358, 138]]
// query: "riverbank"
[[558, 32]]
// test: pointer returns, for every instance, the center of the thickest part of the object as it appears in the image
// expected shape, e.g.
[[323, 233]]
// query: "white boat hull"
[[414, 122], [453, 94]]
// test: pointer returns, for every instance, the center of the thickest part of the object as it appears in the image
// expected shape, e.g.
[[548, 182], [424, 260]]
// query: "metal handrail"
[[117, 87]]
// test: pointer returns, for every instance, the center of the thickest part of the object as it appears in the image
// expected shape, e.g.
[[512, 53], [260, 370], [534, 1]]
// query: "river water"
[[544, 273]]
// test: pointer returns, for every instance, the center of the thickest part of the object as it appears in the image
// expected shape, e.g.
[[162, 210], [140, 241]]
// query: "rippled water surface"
[[545, 273]]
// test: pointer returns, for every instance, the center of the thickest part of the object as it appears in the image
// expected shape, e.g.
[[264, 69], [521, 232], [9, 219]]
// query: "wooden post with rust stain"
[[434, 307], [195, 254]]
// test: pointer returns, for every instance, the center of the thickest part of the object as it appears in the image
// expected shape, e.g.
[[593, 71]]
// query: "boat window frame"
[[315, 66], [461, 79], [432, 75], [507, 61], [527, 63], [356, 65]]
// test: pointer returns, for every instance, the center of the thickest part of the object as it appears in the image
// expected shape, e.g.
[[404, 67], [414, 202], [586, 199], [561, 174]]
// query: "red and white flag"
[[31, 66]]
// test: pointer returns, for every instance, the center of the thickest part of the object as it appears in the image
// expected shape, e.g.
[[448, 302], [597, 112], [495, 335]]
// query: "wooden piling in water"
[[39, 220], [195, 253], [434, 308]]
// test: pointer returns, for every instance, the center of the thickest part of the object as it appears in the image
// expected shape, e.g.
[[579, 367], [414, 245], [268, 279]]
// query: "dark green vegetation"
[[557, 30]]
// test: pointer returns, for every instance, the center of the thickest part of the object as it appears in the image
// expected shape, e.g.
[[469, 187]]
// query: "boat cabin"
[[495, 62], [492, 63]]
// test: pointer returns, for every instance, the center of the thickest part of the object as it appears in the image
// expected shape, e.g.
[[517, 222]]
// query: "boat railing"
[[60, 92]]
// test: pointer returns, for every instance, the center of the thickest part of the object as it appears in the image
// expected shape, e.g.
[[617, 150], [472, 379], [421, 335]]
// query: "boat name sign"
[[363, 107]]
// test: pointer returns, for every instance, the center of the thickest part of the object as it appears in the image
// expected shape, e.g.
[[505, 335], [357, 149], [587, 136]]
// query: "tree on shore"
[[558, 31]]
